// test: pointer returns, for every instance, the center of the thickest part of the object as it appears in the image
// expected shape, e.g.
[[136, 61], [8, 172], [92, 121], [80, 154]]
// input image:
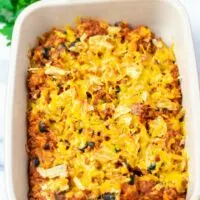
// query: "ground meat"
[[175, 75], [144, 41], [37, 54], [157, 158], [153, 195], [34, 94], [34, 183], [145, 187], [99, 95], [142, 45], [36, 197], [35, 80], [60, 196], [91, 27], [145, 112], [81, 195], [174, 72], [173, 141], [178, 100], [129, 192], [51, 45], [105, 114], [173, 133], [33, 127], [125, 29], [144, 190], [52, 38], [170, 194], [137, 109], [108, 113], [44, 128]]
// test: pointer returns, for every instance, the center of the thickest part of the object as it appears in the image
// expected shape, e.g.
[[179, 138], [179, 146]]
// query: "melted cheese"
[[91, 119]]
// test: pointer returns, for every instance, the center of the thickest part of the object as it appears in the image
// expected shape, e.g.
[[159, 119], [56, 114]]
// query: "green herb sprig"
[[9, 10]]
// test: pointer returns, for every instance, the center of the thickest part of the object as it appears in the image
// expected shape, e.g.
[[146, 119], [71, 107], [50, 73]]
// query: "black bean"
[[108, 196], [52, 121], [42, 127], [67, 144], [118, 164], [66, 141], [91, 144], [99, 54], [128, 166], [74, 42], [46, 52], [181, 119], [36, 161], [80, 130], [89, 96], [137, 171], [132, 179], [46, 146], [151, 167], [107, 138], [118, 89], [67, 147], [117, 149], [123, 39]]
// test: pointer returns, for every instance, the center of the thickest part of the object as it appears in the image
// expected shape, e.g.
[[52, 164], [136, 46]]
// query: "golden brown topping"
[[91, 27], [105, 118]]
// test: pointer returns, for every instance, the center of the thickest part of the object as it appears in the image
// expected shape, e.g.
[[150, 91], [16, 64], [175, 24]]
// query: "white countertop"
[[193, 9]]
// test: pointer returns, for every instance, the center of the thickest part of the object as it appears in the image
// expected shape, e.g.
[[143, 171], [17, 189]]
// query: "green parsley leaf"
[[132, 179], [151, 167], [6, 11], [9, 11], [7, 31]]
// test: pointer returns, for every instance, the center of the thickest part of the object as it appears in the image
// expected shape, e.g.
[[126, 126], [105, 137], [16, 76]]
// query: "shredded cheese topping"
[[106, 103]]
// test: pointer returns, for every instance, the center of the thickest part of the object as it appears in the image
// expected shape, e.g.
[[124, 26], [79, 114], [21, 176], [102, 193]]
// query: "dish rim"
[[12, 70]]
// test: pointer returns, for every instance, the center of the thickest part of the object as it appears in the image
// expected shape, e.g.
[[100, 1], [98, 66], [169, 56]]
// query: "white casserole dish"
[[166, 18]]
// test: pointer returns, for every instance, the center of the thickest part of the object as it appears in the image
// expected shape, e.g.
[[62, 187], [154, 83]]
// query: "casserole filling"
[[105, 116]]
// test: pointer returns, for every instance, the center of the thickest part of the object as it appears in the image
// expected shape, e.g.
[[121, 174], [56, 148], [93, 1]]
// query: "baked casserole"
[[105, 116]]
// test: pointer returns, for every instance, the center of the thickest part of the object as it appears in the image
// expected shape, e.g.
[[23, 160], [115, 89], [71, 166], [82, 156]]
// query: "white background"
[[193, 9]]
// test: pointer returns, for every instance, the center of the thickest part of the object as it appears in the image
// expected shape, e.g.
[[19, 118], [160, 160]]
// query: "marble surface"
[[192, 7]]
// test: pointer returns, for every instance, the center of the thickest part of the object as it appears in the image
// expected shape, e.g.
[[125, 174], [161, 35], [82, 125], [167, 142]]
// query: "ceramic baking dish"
[[166, 18]]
